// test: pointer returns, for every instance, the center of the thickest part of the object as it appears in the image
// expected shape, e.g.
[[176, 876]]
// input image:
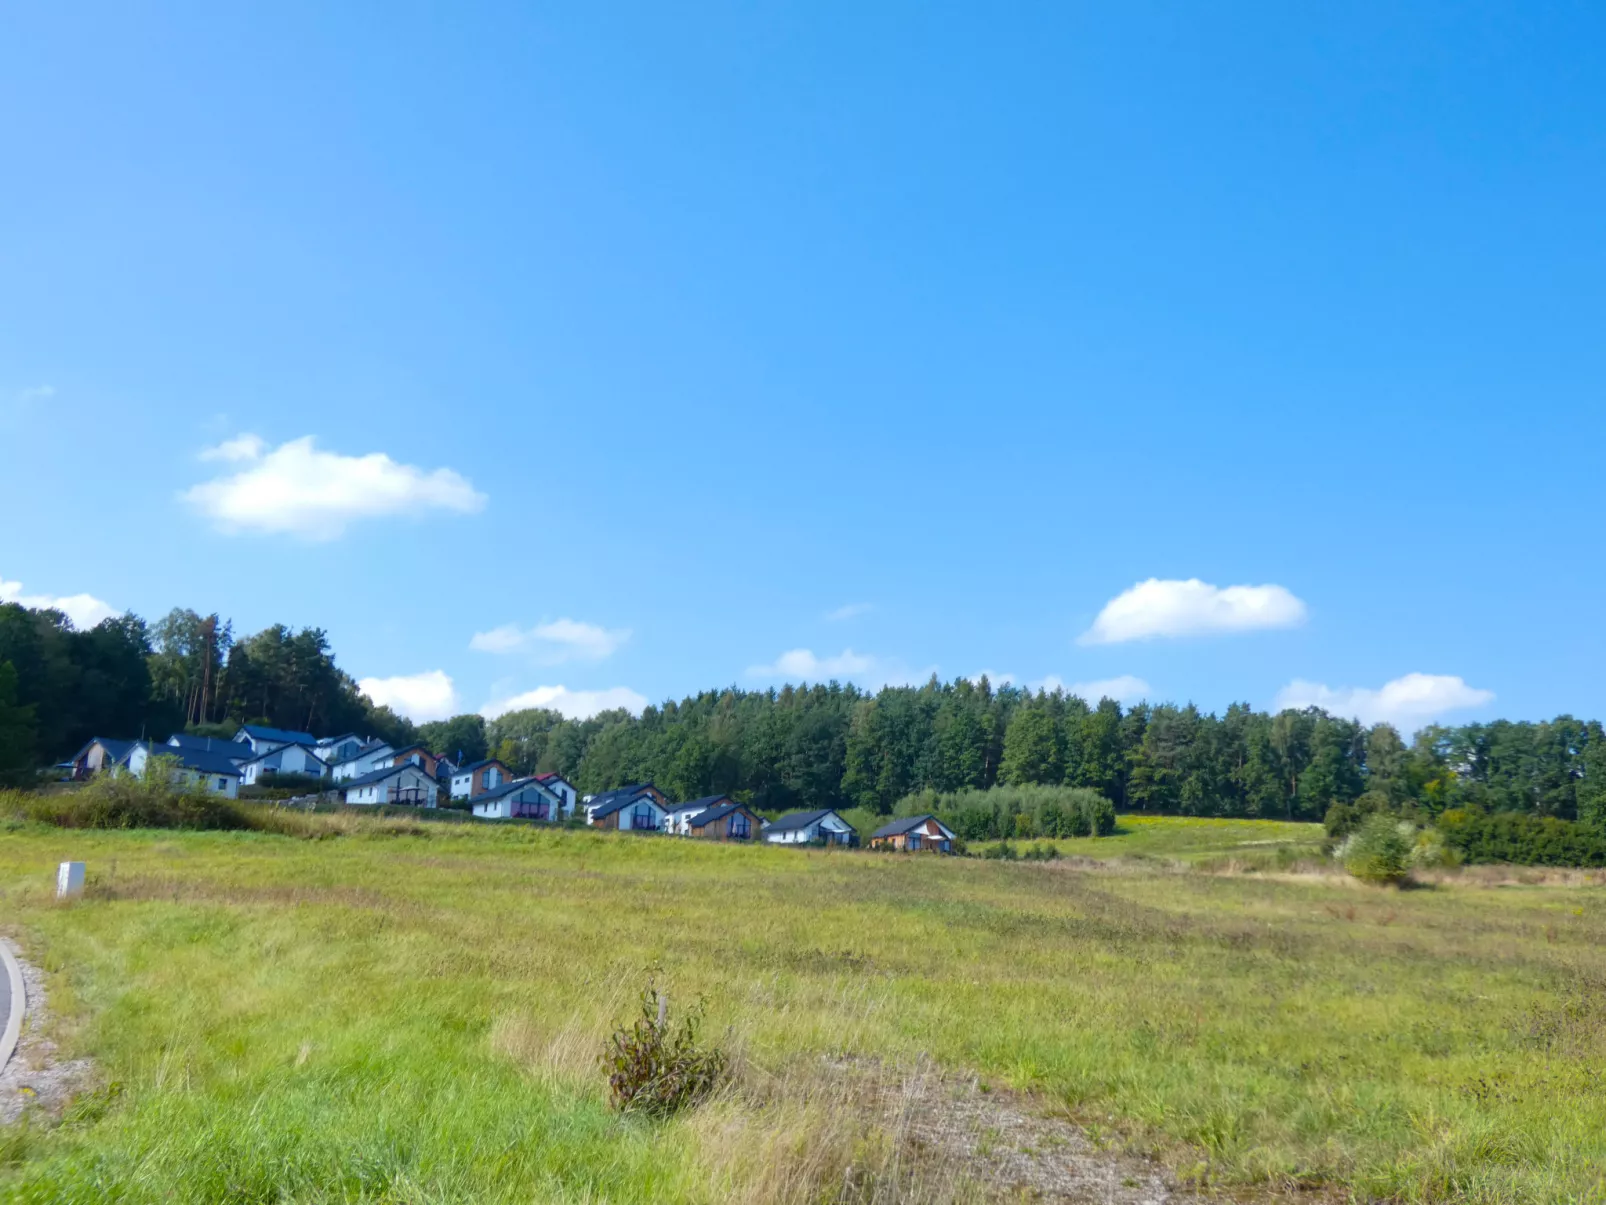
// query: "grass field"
[[416, 1017]]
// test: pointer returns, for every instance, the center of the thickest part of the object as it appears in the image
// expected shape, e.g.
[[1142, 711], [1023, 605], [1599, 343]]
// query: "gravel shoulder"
[[36, 1078]]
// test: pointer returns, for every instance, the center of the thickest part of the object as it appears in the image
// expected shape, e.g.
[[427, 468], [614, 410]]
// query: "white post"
[[69, 880]]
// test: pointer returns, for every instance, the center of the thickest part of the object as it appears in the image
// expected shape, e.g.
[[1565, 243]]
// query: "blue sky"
[[634, 350]]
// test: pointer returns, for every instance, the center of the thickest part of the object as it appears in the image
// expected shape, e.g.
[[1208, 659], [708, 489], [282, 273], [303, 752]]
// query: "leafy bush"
[[1002, 852], [1379, 850], [127, 801], [1016, 812], [657, 1068], [1521, 838], [1040, 852]]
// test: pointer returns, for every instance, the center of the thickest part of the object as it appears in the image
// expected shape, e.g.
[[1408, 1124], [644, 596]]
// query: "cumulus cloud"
[[420, 697], [574, 704], [803, 666], [296, 489], [1408, 702], [850, 611], [85, 610], [1192, 608], [553, 643], [1125, 688], [871, 672]]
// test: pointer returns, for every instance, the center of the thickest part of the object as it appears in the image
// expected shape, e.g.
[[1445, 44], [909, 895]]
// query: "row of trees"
[[124, 677], [806, 746], [835, 746]]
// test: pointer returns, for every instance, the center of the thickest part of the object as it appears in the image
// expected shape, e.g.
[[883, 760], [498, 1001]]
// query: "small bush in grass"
[[1040, 851], [1379, 850], [656, 1067], [151, 800]]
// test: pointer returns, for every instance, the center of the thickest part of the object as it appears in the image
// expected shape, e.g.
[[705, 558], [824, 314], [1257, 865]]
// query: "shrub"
[[1521, 838], [1002, 852], [1040, 852], [657, 1068], [1379, 851], [127, 801]]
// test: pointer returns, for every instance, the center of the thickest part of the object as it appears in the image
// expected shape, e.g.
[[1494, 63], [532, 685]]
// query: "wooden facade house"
[[728, 821], [915, 834]]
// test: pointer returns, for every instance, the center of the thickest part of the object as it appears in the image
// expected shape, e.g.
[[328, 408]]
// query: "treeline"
[[126, 678], [835, 746], [805, 746]]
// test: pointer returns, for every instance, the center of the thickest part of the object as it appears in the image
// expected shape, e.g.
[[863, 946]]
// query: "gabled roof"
[[718, 813], [261, 733], [382, 774], [310, 750], [618, 794], [114, 748], [479, 765], [908, 824], [798, 820], [703, 804], [620, 804], [554, 776], [368, 750], [208, 744], [207, 761], [512, 788], [424, 749], [335, 740]]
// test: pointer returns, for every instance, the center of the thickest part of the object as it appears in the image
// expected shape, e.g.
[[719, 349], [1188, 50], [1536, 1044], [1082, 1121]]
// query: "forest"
[[806, 746]]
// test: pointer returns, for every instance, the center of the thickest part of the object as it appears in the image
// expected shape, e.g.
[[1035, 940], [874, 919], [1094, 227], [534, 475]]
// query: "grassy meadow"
[[408, 1013]]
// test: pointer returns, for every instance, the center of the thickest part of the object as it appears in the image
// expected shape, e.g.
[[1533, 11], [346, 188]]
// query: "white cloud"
[[575, 704], [85, 610], [420, 697], [241, 447], [1126, 688], [298, 490], [36, 393], [850, 611], [1408, 703], [553, 643], [803, 666], [1192, 608]]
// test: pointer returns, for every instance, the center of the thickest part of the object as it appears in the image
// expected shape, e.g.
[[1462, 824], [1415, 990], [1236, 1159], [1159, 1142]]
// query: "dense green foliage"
[[1524, 839], [813, 745], [124, 678], [1016, 812], [150, 800], [835, 746], [1379, 850]]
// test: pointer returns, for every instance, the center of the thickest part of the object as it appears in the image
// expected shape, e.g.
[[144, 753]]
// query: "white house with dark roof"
[[332, 750], [373, 756], [476, 778], [523, 798], [403, 784], [823, 827], [561, 787], [639, 812], [262, 739], [286, 759], [212, 769]]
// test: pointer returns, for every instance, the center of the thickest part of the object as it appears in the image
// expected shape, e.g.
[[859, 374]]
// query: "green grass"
[[414, 1017], [1190, 840]]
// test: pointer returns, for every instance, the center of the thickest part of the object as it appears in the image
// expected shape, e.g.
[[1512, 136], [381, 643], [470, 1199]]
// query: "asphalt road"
[[5, 1001]]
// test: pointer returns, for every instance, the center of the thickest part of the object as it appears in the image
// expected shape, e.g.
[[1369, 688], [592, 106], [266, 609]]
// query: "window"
[[739, 827], [223, 784], [642, 817], [914, 840]]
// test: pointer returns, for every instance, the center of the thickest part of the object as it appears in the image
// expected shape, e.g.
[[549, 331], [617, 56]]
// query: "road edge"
[[19, 1004]]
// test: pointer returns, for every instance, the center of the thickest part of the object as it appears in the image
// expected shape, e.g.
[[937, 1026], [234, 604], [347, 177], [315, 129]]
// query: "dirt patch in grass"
[[37, 1080]]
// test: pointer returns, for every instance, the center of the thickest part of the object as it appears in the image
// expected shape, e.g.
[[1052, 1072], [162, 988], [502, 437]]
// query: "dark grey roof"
[[702, 805], [335, 740], [209, 744], [261, 733], [719, 813], [619, 804], [472, 766], [510, 788], [899, 827], [311, 751], [795, 820], [382, 774], [206, 761]]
